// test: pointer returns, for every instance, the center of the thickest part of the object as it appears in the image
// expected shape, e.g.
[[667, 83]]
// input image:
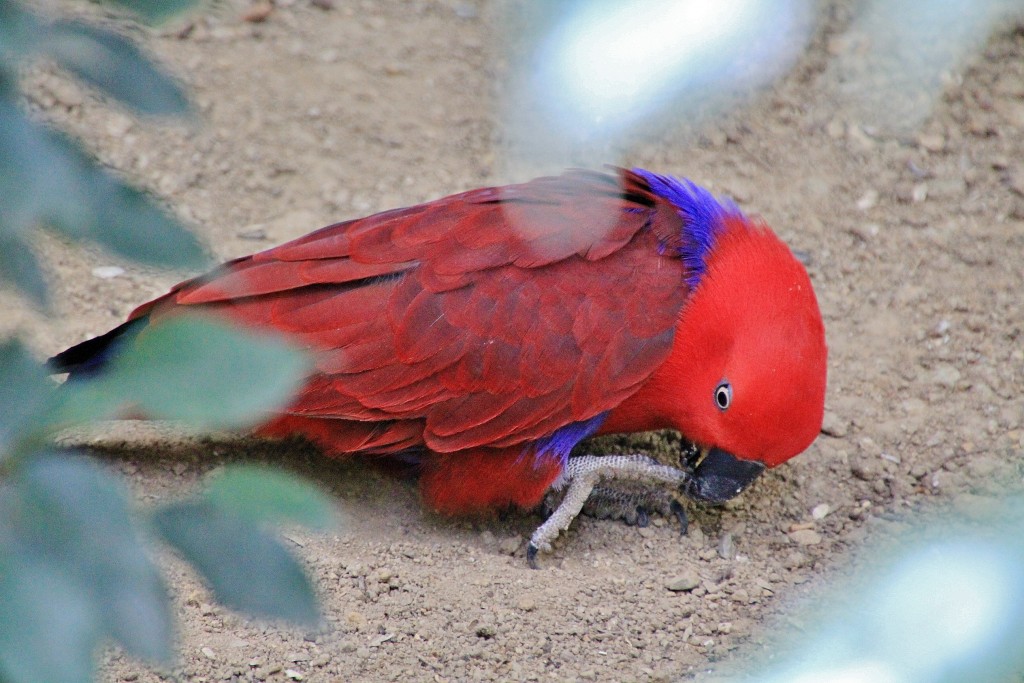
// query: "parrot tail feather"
[[91, 356]]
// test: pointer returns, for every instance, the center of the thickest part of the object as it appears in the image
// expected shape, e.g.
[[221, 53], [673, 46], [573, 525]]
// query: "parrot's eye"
[[723, 395]]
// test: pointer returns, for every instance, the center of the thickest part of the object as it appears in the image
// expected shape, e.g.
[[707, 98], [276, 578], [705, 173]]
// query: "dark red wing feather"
[[486, 319]]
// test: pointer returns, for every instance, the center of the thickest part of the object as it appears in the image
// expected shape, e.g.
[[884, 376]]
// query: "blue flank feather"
[[561, 443], [702, 214]]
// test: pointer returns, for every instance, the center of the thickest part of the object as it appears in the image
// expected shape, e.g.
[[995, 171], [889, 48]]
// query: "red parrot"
[[484, 335]]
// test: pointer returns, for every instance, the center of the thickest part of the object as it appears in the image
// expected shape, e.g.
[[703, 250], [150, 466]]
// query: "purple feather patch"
[[561, 443], [702, 215]]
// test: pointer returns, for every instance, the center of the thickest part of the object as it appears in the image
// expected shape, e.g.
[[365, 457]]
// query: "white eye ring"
[[723, 396]]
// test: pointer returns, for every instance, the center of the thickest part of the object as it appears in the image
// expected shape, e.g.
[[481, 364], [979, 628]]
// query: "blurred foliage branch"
[[75, 565]]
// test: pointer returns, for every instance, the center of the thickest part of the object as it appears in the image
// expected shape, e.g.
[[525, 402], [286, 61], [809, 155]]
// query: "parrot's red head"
[[749, 358], [745, 381]]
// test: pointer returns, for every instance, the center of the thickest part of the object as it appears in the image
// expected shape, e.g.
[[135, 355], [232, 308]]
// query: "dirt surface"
[[313, 115]]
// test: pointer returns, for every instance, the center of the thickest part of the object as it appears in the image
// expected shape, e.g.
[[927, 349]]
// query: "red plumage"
[[473, 328]]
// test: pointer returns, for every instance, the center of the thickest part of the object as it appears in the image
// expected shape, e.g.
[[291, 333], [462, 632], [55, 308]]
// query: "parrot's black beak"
[[719, 476]]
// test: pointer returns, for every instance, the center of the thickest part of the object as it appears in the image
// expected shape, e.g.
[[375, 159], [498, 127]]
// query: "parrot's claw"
[[632, 505], [531, 555], [677, 509], [582, 474]]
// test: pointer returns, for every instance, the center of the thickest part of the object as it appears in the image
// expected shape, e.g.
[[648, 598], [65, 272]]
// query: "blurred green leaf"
[[246, 567], [116, 66], [40, 176], [20, 34], [19, 267], [128, 223], [66, 513], [25, 395], [156, 11], [49, 628], [261, 494], [46, 179], [206, 373]]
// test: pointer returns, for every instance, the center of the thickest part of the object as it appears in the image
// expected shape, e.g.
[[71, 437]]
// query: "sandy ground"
[[315, 115]]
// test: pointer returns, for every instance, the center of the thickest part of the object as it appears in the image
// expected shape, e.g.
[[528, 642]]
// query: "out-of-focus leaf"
[[245, 566], [25, 395], [79, 402], [116, 66], [206, 373], [19, 268], [46, 179], [49, 628], [63, 512], [261, 494], [129, 223], [20, 34], [156, 11], [40, 176]]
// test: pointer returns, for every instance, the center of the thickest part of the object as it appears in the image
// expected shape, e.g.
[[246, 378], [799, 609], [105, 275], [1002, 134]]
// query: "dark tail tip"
[[90, 357]]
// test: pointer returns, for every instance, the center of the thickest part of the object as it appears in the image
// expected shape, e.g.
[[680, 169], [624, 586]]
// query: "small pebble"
[[945, 375], [866, 232], [864, 466], [293, 674], [794, 560], [820, 511], [805, 537], [835, 129], [356, 619], [833, 425], [258, 13], [510, 545], [726, 547], [208, 653], [941, 328], [526, 604], [107, 272], [932, 142], [381, 639], [868, 200], [919, 193], [255, 234], [684, 582]]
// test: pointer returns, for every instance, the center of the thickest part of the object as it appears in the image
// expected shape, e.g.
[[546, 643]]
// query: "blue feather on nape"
[[702, 215]]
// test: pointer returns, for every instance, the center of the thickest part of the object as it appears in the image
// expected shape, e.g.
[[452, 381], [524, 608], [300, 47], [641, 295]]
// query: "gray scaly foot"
[[582, 474]]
